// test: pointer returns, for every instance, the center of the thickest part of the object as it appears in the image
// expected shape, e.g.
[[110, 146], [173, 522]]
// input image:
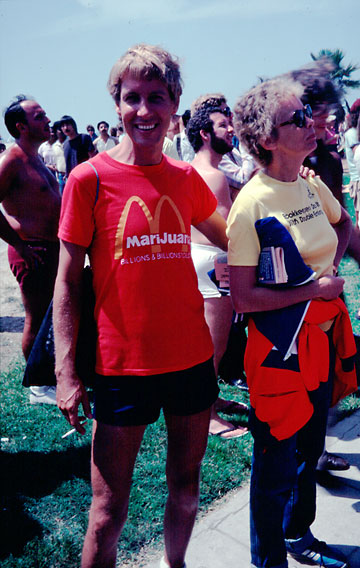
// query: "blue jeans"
[[61, 182], [283, 483]]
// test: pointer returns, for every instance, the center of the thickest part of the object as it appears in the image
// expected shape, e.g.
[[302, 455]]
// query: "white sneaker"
[[42, 395], [163, 564]]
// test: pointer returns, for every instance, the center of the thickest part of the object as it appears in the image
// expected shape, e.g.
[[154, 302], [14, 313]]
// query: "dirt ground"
[[11, 314]]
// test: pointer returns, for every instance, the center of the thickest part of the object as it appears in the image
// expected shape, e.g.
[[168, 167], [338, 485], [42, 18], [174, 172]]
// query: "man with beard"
[[31, 206], [210, 133], [237, 165]]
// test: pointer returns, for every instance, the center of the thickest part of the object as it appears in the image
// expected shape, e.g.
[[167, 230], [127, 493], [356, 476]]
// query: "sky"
[[61, 51]]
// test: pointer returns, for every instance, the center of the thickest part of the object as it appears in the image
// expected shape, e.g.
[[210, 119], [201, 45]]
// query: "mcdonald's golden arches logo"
[[154, 239]]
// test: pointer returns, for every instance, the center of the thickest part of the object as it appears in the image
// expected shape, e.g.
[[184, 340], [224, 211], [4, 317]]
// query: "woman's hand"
[[330, 287]]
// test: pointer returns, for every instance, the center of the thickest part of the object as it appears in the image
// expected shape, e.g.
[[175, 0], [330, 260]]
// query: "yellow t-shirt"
[[305, 207]]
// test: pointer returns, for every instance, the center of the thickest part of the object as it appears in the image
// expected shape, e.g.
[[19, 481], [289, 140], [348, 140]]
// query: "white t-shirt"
[[351, 140], [357, 158], [101, 146]]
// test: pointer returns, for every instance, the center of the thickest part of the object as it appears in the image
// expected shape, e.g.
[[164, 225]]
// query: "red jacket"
[[279, 389]]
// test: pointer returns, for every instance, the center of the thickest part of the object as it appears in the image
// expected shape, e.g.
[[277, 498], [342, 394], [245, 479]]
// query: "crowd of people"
[[182, 218]]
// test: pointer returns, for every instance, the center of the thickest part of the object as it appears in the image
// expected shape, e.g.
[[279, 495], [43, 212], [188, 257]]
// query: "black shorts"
[[134, 400]]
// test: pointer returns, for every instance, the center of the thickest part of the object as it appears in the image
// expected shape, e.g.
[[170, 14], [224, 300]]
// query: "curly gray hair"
[[256, 114]]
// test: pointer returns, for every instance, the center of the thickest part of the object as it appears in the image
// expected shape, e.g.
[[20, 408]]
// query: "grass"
[[350, 271], [45, 491]]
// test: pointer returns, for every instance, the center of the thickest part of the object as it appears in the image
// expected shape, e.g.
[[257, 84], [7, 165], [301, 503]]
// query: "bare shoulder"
[[213, 177], [218, 184], [11, 156]]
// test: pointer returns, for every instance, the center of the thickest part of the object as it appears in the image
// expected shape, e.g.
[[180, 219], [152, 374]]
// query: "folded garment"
[[272, 233], [282, 326]]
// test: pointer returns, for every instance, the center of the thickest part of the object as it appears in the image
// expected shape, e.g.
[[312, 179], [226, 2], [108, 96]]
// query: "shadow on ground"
[[337, 485], [33, 474], [11, 324]]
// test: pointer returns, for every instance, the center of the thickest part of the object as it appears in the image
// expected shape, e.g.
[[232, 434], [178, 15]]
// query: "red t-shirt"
[[149, 312]]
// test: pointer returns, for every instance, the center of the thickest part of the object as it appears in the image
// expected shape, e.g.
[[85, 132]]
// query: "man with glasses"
[[289, 389], [91, 132], [324, 96], [237, 164]]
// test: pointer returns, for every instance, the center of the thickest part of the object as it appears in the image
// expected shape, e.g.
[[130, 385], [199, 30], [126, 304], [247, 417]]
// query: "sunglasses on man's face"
[[299, 117]]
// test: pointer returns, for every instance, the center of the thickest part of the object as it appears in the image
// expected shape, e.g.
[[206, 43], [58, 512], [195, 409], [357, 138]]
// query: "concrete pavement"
[[221, 538]]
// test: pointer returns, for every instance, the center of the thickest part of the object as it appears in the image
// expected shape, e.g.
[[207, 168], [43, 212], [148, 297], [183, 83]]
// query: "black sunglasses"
[[299, 117]]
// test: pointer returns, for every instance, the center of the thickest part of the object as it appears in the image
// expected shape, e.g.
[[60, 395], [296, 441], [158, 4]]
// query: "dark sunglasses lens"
[[299, 118]]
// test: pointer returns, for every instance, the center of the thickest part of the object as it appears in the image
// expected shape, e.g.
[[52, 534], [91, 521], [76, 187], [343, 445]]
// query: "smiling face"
[[37, 123], [222, 133], [145, 108]]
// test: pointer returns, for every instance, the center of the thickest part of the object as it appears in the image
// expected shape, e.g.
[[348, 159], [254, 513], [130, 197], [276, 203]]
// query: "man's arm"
[[8, 169], [214, 228], [343, 229], [247, 296], [95, 142], [237, 173], [70, 392], [218, 184], [92, 151]]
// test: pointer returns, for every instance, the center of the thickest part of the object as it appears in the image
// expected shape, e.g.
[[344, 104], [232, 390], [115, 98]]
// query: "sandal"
[[238, 432], [230, 406]]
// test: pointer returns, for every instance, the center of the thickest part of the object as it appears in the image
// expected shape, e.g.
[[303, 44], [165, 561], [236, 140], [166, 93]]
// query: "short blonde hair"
[[256, 114], [148, 62]]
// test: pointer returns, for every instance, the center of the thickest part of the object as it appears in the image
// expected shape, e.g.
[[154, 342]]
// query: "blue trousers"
[[283, 483]]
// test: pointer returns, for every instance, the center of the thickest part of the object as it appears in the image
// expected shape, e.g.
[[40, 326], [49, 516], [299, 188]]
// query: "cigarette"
[[72, 430]]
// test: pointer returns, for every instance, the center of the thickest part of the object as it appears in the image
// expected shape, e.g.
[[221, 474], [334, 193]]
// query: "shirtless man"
[[210, 133], [237, 165], [31, 205]]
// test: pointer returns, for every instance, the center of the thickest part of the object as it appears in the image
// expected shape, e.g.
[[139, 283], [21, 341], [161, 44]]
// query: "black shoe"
[[332, 462], [321, 554]]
